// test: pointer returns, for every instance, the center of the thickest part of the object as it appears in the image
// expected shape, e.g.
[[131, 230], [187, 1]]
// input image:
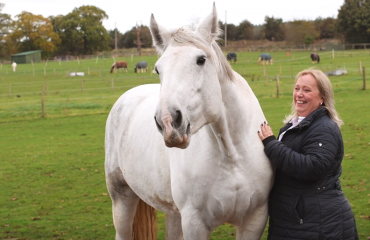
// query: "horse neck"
[[240, 119]]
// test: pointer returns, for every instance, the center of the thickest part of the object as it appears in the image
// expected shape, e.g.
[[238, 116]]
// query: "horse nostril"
[[160, 129], [178, 119]]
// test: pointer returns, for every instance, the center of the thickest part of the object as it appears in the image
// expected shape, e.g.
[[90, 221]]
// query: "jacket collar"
[[309, 119]]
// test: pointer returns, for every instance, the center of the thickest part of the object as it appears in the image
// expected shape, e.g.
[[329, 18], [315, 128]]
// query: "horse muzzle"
[[175, 131]]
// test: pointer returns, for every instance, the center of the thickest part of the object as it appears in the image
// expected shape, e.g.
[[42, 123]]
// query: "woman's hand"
[[265, 131]]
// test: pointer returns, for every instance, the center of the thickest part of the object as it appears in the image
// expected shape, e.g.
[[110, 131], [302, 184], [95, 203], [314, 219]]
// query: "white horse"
[[14, 65], [211, 167]]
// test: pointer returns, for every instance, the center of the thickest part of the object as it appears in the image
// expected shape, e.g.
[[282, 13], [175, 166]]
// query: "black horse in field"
[[315, 57], [231, 57]]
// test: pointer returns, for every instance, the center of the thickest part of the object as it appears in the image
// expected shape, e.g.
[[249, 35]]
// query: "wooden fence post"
[[82, 85], [360, 67], [9, 90], [363, 78]]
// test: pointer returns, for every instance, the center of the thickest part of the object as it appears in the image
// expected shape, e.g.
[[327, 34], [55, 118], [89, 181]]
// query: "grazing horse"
[[141, 66], [231, 57], [189, 145], [265, 58], [315, 57], [14, 66], [121, 64]]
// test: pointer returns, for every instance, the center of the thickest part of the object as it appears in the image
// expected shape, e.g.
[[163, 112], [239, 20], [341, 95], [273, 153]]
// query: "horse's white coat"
[[218, 174], [14, 66]]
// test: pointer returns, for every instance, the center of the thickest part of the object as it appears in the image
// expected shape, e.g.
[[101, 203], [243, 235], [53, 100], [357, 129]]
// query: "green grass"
[[52, 168]]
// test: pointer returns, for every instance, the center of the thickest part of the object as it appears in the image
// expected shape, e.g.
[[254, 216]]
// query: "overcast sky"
[[176, 13]]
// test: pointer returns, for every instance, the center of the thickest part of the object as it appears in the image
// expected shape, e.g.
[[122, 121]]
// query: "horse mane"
[[186, 36]]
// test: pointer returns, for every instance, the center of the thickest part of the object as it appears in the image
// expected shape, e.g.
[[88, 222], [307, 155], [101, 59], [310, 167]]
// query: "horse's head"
[[191, 69]]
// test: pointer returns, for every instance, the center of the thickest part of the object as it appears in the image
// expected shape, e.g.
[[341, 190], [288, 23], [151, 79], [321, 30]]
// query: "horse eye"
[[156, 70], [201, 61]]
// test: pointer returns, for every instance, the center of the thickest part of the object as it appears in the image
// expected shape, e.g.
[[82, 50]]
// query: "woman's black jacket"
[[306, 201]]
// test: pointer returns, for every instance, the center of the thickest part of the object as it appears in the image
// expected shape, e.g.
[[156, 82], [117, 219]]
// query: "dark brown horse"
[[121, 64], [315, 57]]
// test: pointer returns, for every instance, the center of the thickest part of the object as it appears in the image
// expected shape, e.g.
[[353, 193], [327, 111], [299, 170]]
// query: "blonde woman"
[[306, 201]]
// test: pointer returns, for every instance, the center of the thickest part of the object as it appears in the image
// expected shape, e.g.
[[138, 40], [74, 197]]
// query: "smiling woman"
[[306, 201]]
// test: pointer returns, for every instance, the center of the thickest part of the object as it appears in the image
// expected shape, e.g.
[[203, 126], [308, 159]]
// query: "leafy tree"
[[326, 27], [5, 28], [128, 39], [274, 29], [354, 21], [231, 32], [112, 43], [244, 31], [82, 30], [300, 32], [34, 32]]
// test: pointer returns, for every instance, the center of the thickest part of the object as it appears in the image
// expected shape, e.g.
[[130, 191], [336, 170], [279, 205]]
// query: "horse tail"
[[145, 222], [111, 70]]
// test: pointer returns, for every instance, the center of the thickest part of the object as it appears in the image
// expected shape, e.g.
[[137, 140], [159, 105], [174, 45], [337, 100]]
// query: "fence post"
[[360, 67], [82, 85], [363, 78], [9, 90], [277, 86], [112, 83]]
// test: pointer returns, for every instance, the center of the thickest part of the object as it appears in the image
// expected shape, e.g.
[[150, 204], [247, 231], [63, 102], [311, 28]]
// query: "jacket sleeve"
[[317, 158]]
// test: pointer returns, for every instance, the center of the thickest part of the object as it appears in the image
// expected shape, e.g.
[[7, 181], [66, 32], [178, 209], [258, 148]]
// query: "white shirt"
[[295, 121]]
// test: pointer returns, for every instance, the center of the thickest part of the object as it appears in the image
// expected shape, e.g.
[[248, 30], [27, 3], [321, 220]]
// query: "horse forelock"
[[186, 36]]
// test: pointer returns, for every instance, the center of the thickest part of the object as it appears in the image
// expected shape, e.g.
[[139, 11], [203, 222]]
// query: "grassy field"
[[52, 168]]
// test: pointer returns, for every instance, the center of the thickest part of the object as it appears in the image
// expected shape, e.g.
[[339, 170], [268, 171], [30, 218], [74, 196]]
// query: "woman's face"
[[306, 95]]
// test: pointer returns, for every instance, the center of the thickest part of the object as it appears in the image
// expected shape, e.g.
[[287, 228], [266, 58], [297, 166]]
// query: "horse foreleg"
[[254, 225], [124, 202], [173, 227], [194, 227]]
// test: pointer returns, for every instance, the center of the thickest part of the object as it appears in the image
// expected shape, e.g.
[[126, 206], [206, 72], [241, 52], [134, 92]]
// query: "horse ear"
[[209, 27], [158, 34]]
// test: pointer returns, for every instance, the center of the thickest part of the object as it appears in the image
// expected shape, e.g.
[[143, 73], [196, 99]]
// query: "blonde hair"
[[326, 92]]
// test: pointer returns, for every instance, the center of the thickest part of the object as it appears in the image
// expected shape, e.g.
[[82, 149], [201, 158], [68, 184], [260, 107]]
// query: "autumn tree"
[[354, 21], [301, 32], [5, 28], [274, 29], [326, 27], [129, 38], [34, 32], [244, 31], [82, 31]]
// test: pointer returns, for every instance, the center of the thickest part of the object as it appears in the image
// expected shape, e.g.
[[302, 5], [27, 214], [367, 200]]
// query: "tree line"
[[82, 32]]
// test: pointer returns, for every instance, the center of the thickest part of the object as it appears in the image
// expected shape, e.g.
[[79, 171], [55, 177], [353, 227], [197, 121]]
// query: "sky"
[[171, 14]]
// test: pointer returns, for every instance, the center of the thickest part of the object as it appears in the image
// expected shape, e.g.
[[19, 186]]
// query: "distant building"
[[27, 57]]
